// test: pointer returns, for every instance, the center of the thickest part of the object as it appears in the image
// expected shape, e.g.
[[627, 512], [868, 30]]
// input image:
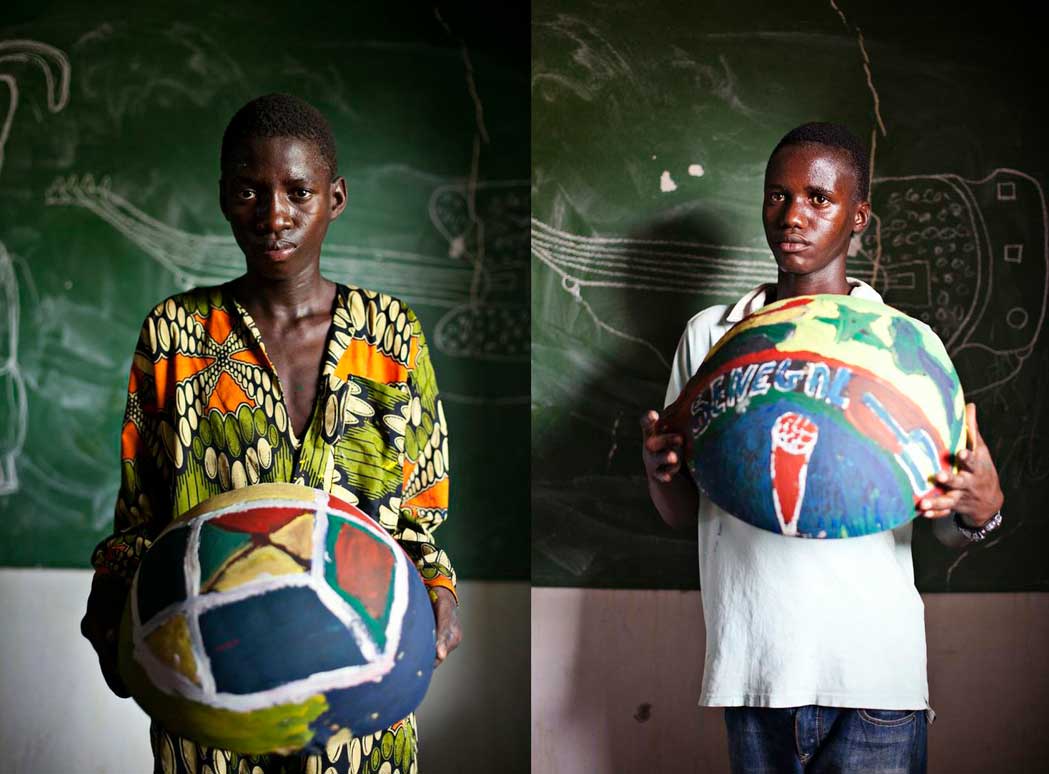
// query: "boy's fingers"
[[974, 437], [940, 503], [658, 443], [956, 481], [670, 459]]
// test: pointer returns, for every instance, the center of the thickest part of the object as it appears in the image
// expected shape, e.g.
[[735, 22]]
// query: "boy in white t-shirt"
[[816, 648]]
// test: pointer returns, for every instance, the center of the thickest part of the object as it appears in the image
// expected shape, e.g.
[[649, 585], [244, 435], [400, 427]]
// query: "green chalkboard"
[[651, 126], [111, 115]]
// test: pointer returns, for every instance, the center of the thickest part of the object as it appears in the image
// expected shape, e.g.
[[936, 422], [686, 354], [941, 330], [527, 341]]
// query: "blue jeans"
[[821, 740]]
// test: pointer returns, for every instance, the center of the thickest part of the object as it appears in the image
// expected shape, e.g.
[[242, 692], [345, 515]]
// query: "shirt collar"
[[755, 299]]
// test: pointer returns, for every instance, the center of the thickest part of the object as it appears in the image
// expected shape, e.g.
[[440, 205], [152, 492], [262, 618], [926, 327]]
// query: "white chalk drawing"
[[943, 242], [597, 61], [943, 259], [491, 234], [196, 259], [484, 329], [943, 248], [645, 265], [481, 323], [876, 104], [14, 410], [56, 70]]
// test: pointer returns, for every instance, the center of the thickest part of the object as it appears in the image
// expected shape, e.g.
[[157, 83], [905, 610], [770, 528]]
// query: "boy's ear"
[[338, 196], [862, 217]]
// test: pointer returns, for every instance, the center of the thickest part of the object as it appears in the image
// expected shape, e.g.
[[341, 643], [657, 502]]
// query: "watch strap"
[[976, 534]]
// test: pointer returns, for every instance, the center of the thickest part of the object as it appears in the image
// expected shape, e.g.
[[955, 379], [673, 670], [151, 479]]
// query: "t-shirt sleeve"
[[692, 348], [680, 370]]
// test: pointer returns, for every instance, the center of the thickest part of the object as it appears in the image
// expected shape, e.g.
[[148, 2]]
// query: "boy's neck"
[[287, 299], [790, 285]]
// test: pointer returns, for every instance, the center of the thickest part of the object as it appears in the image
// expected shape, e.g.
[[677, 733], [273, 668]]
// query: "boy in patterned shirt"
[[280, 375]]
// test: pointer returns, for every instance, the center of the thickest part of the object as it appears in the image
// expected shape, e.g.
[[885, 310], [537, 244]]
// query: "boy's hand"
[[101, 626], [446, 613], [661, 452], [974, 491]]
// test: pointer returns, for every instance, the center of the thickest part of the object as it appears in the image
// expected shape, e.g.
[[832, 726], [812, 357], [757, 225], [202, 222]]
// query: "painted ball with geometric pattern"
[[272, 617]]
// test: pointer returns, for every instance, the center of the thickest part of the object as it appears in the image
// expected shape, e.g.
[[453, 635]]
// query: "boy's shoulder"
[[199, 300], [709, 318], [378, 317], [373, 312]]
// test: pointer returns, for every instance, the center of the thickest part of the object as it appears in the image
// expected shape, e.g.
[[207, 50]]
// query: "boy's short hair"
[[834, 136], [281, 115]]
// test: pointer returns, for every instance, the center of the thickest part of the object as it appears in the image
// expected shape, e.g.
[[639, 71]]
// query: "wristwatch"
[[976, 534]]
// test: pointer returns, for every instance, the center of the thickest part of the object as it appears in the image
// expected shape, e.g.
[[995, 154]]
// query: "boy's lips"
[[791, 243], [279, 249]]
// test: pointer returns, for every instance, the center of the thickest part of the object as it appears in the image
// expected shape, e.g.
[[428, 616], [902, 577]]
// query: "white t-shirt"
[[791, 621]]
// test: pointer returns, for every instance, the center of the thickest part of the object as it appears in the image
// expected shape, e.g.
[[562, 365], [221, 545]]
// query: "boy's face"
[[278, 196], [811, 209]]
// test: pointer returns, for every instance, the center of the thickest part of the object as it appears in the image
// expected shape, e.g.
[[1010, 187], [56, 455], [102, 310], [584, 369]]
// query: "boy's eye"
[[303, 193], [245, 193], [820, 199]]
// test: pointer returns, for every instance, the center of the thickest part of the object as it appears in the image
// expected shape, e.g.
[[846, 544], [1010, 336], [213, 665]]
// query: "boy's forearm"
[[677, 501], [101, 626]]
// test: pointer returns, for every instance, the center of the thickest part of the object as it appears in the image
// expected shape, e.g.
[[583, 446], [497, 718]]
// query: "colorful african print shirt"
[[206, 414]]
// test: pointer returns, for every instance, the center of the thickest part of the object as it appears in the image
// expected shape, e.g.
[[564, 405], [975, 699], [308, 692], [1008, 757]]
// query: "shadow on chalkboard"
[[661, 317], [592, 517]]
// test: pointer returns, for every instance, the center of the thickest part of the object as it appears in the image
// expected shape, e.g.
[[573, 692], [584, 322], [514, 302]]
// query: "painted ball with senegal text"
[[272, 617], [822, 416]]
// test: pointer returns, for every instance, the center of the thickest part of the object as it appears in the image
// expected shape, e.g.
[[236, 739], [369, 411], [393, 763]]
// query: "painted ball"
[[270, 618], [822, 416]]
